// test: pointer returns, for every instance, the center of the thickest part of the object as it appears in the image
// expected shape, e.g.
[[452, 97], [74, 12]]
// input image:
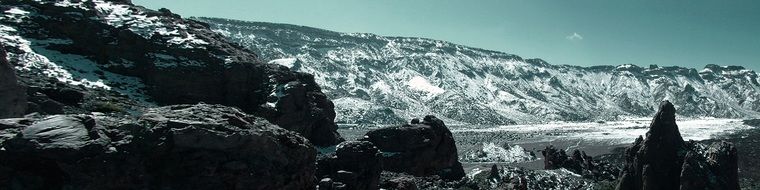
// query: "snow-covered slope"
[[380, 79]]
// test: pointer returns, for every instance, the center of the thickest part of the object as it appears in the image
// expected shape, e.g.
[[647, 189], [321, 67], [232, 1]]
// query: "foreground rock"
[[497, 177], [354, 165], [663, 160], [176, 147], [752, 122], [421, 149], [158, 56], [579, 163], [12, 95]]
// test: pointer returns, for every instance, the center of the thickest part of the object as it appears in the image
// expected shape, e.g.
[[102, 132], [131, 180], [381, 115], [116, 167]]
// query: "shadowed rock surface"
[[422, 149], [354, 165], [663, 160], [579, 163], [12, 95], [176, 147]]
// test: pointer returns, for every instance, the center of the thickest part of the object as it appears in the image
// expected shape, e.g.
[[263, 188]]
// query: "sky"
[[689, 33]]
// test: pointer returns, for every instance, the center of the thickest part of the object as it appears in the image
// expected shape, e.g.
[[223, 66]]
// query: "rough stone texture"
[[176, 147], [722, 158], [355, 164], [217, 72], [422, 149], [579, 163], [12, 95], [663, 160], [752, 122]]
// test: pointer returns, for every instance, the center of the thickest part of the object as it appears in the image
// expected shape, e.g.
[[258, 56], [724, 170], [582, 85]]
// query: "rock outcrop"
[[12, 95], [420, 149], [752, 122], [354, 165], [663, 160], [163, 57], [176, 147], [579, 163]]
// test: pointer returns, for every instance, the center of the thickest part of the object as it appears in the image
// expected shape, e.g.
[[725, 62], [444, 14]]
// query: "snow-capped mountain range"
[[384, 80]]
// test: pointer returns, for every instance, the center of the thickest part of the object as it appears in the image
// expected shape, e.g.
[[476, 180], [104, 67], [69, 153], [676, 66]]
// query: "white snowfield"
[[616, 132], [490, 152]]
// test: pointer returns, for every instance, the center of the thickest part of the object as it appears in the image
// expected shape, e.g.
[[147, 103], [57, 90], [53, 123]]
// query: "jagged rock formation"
[[176, 147], [421, 149], [354, 165], [12, 95], [663, 160], [579, 163], [154, 57], [404, 76]]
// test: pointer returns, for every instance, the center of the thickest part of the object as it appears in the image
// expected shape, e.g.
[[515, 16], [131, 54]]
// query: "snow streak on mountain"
[[383, 80]]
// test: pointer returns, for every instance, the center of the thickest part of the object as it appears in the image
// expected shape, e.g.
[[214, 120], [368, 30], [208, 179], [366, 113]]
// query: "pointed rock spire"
[[663, 160]]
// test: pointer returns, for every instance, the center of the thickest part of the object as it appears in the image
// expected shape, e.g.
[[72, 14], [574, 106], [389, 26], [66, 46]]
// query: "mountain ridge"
[[369, 76], [539, 60]]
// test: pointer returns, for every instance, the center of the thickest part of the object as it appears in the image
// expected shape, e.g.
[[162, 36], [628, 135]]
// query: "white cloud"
[[574, 37]]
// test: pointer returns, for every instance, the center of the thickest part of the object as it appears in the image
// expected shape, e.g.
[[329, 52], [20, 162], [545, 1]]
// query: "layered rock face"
[[176, 147], [663, 160], [159, 57], [12, 95], [354, 165], [420, 148]]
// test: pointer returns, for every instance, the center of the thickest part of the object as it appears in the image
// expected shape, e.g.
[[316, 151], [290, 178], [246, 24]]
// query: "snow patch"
[[34, 56], [421, 84], [381, 86], [17, 11], [288, 62], [490, 152]]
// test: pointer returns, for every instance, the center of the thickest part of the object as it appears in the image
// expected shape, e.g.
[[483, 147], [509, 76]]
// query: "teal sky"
[[689, 33]]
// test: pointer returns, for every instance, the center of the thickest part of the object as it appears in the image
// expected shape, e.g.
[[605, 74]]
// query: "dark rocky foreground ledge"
[[175, 147]]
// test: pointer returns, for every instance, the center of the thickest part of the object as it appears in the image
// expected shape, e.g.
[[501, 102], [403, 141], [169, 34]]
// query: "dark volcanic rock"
[[752, 122], [422, 149], [355, 164], [722, 157], [663, 160], [176, 147], [579, 163], [12, 95], [187, 65]]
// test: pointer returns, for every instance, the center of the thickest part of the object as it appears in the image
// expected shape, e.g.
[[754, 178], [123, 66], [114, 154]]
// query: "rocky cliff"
[[152, 57]]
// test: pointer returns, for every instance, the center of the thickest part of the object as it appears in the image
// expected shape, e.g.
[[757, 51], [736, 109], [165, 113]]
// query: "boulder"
[[663, 160], [12, 94], [422, 149], [175, 147], [355, 165]]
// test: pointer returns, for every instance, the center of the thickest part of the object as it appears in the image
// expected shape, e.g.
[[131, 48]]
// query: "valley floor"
[[520, 145]]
